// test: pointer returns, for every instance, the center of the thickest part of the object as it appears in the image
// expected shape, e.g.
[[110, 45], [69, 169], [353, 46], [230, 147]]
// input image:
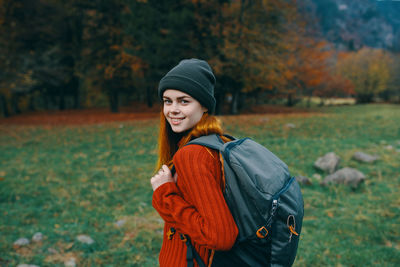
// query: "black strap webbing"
[[191, 251]]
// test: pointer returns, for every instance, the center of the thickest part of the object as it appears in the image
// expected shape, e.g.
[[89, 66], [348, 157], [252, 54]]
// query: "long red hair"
[[169, 142]]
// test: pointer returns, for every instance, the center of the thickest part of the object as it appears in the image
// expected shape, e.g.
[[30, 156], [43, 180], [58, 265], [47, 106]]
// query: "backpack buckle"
[[171, 233], [262, 232], [183, 237]]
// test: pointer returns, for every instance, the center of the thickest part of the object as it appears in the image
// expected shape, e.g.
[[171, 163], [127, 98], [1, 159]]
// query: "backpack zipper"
[[274, 207], [230, 145], [284, 189]]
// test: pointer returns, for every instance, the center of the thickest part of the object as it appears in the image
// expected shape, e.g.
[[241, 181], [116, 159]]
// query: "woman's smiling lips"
[[176, 121]]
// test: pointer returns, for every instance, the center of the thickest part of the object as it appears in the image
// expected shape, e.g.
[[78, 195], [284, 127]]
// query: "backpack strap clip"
[[262, 232], [183, 238], [191, 253], [171, 233]]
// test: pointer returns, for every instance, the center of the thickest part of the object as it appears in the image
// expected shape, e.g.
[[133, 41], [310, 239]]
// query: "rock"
[[317, 176], [328, 163], [85, 239], [21, 242], [52, 251], [363, 157], [290, 125], [27, 265], [389, 147], [71, 262], [120, 223], [37, 237], [347, 176], [303, 180]]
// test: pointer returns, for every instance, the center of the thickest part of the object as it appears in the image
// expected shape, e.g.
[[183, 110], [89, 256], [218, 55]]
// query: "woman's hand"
[[163, 176]]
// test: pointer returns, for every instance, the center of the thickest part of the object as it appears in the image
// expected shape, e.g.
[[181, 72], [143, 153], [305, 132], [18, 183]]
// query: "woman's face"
[[181, 110]]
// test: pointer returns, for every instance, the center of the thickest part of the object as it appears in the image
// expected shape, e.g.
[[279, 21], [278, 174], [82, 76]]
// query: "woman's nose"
[[175, 107]]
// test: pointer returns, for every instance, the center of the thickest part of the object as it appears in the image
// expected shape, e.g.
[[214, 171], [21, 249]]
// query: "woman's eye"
[[167, 101], [183, 101]]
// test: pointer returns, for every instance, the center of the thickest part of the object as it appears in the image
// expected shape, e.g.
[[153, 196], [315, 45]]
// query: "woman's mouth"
[[176, 121]]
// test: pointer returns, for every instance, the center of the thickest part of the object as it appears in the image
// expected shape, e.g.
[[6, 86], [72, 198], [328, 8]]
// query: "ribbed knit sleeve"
[[195, 205], [161, 200]]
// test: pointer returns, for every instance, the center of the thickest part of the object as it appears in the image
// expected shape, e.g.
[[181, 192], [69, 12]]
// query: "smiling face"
[[181, 110]]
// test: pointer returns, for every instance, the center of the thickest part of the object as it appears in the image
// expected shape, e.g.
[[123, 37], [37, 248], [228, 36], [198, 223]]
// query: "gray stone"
[[303, 180], [328, 163], [389, 147], [363, 157], [120, 223], [85, 239], [37, 237], [348, 176], [27, 265], [290, 125], [52, 251], [317, 176], [71, 262], [21, 242]]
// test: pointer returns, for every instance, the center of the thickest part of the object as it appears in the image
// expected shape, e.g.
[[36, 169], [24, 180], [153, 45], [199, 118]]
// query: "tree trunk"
[[234, 104], [308, 104], [75, 90], [149, 98], [31, 106], [113, 99], [61, 104], [46, 100], [241, 100], [289, 102], [220, 103], [77, 104], [321, 103], [3, 105], [14, 104]]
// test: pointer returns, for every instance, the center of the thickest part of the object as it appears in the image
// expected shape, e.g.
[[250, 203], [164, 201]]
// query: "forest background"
[[58, 55], [74, 177]]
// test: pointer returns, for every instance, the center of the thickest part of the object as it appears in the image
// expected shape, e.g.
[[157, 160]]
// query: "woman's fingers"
[[166, 169], [163, 176]]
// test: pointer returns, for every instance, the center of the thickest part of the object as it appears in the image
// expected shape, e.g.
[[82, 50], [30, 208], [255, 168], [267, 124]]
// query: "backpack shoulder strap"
[[213, 141]]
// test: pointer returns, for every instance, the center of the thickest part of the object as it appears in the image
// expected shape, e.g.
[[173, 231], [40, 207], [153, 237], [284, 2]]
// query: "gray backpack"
[[265, 201]]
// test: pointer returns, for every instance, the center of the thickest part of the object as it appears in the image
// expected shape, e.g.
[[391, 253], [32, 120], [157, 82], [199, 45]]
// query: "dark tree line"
[[58, 54]]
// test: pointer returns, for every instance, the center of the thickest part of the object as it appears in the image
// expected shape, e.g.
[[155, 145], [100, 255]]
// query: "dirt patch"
[[136, 112], [80, 117], [275, 109]]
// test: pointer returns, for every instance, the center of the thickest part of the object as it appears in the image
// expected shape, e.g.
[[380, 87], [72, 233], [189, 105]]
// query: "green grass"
[[66, 181]]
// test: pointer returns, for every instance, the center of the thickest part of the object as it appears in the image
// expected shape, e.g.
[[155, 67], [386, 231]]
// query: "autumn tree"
[[163, 33], [251, 35], [392, 92], [37, 41], [368, 70]]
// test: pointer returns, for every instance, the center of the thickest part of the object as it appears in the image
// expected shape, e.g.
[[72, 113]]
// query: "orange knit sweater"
[[194, 206]]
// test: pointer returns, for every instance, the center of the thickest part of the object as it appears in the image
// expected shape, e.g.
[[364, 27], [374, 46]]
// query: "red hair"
[[169, 142]]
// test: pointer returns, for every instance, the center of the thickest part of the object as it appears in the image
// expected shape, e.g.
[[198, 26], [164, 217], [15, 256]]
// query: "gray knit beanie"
[[194, 77]]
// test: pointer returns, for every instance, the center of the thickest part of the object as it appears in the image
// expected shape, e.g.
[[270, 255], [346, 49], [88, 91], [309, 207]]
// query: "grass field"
[[66, 181]]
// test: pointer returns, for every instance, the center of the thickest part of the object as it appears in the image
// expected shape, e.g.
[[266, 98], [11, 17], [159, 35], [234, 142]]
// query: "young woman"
[[191, 201]]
